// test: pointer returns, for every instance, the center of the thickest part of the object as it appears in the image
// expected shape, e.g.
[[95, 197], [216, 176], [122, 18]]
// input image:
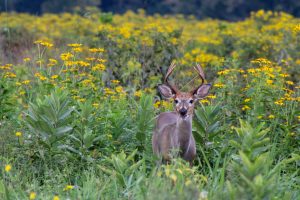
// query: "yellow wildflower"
[[32, 195], [96, 105], [18, 84], [204, 101], [68, 187], [54, 77], [119, 89], [247, 100], [52, 62], [289, 82], [279, 102], [43, 78], [77, 49], [115, 81], [7, 168], [219, 85], [211, 96], [156, 104], [138, 93], [269, 82], [224, 72], [74, 45], [10, 75], [271, 116], [26, 82], [108, 91], [55, 197], [44, 43], [245, 107], [18, 134], [98, 67], [95, 50], [66, 56], [26, 59]]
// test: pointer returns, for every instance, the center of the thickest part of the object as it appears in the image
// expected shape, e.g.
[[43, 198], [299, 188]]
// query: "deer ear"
[[202, 91], [166, 91]]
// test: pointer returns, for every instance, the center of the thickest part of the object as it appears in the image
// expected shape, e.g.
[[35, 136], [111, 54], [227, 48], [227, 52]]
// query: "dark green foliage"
[[49, 121]]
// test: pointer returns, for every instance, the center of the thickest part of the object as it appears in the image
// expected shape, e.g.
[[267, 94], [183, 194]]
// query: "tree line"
[[220, 9]]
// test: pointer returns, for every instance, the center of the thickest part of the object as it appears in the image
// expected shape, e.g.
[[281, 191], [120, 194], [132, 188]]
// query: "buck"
[[173, 130]]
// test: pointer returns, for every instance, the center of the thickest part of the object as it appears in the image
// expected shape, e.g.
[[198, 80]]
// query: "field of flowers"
[[78, 101]]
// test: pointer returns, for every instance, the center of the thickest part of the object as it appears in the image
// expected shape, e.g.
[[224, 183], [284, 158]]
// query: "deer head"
[[184, 101]]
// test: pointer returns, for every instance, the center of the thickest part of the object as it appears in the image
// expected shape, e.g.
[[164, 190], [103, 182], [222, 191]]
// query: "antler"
[[170, 70], [200, 72]]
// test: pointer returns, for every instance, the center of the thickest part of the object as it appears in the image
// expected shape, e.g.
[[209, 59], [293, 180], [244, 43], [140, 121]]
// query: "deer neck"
[[184, 129]]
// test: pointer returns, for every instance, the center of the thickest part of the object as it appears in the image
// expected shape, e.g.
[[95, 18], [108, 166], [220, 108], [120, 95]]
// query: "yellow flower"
[[119, 89], [32, 195], [115, 81], [245, 107], [54, 77], [247, 100], [66, 56], [156, 104], [77, 49], [68, 187], [82, 99], [42, 78], [204, 101], [95, 50], [18, 84], [26, 59], [289, 82], [138, 93], [18, 134], [224, 72], [269, 82], [44, 43], [10, 75], [75, 45], [108, 91], [271, 116], [52, 62], [279, 102], [96, 105], [211, 96], [98, 67], [55, 197], [26, 82], [7, 168], [219, 85]]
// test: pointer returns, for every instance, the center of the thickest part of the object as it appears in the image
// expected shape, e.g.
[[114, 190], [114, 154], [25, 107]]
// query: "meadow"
[[78, 101]]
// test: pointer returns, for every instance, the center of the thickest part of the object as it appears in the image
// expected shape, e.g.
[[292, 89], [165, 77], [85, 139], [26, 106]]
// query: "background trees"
[[221, 9]]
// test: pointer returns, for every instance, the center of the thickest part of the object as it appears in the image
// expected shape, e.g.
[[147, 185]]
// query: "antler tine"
[[200, 71], [170, 70]]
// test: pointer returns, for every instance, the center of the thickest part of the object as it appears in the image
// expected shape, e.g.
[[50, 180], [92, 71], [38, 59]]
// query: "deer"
[[173, 130]]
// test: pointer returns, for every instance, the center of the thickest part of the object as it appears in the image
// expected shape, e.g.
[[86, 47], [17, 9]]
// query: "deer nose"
[[182, 111]]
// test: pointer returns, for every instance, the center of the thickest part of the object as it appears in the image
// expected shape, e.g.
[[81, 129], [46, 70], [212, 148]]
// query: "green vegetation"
[[78, 105]]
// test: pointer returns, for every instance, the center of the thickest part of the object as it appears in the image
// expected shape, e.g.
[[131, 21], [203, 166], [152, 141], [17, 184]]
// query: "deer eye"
[[191, 101], [176, 101]]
